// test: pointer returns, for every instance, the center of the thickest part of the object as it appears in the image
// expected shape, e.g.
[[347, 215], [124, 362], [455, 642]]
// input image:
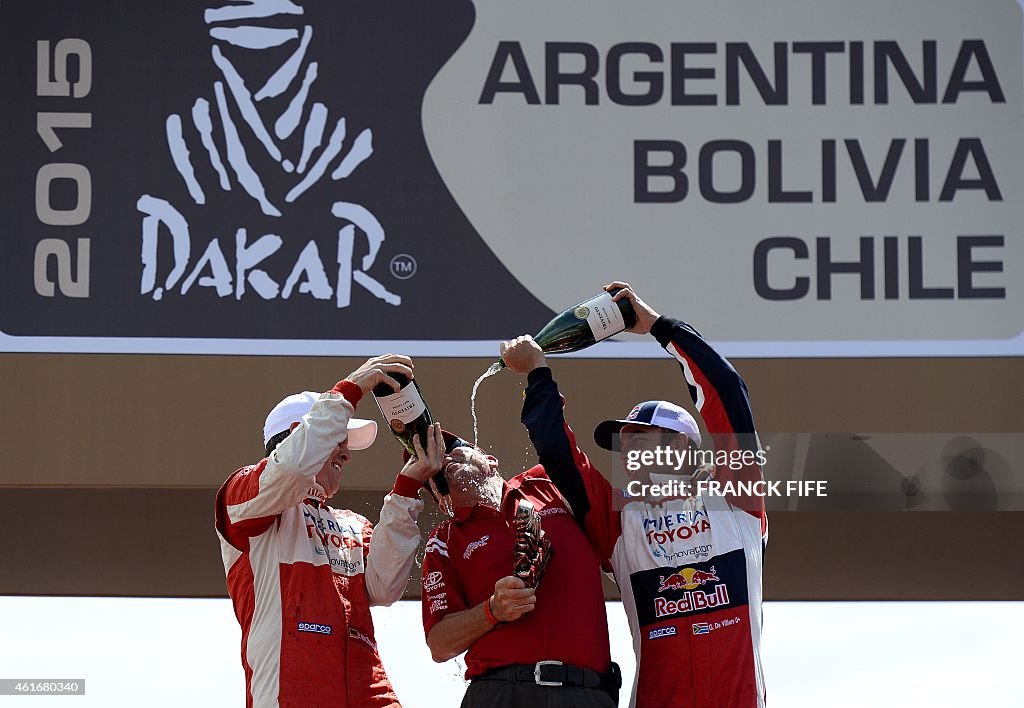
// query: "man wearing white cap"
[[303, 575], [688, 566]]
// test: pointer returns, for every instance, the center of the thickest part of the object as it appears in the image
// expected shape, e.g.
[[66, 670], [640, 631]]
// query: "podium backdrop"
[[205, 206]]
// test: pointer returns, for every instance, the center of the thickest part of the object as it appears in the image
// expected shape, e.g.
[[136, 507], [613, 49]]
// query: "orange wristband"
[[490, 615]]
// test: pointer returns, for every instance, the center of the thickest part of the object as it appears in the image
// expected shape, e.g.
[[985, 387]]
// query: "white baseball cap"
[[361, 433], [662, 414]]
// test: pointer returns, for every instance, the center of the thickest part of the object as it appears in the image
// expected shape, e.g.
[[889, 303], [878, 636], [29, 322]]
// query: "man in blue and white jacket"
[[688, 567]]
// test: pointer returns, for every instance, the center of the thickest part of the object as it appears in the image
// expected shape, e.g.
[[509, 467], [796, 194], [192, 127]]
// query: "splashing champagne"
[[584, 325]]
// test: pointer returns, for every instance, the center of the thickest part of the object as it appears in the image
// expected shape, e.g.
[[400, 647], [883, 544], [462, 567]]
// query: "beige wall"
[[110, 462]]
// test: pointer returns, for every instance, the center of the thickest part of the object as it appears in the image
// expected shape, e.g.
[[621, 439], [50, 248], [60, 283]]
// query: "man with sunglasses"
[[303, 575], [527, 645], [688, 564]]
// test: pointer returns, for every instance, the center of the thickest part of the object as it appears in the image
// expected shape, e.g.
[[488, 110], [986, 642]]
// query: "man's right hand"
[[375, 371], [512, 599], [426, 463], [457, 631], [645, 314], [522, 355]]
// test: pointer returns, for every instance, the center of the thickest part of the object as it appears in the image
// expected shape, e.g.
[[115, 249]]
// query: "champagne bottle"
[[404, 411], [407, 415], [584, 324]]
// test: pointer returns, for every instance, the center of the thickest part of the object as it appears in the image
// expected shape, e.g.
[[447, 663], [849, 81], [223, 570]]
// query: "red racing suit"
[[689, 570], [302, 575]]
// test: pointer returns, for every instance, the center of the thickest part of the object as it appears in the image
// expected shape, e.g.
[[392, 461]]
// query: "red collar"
[[477, 511]]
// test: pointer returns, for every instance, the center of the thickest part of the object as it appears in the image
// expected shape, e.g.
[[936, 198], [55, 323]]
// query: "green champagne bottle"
[[407, 415], [584, 324], [404, 411]]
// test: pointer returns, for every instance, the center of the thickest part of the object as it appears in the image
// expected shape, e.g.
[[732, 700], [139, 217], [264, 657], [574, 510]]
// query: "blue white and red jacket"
[[689, 570]]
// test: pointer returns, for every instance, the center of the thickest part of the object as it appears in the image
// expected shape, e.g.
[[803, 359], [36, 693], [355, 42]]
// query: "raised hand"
[[375, 371], [645, 314], [426, 463], [522, 355]]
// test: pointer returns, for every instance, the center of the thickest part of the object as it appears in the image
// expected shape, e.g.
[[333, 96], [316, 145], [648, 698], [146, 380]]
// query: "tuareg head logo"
[[268, 139], [633, 413]]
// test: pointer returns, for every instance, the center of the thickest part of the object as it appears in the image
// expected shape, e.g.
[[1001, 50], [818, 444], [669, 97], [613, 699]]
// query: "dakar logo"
[[244, 139], [633, 413], [479, 543]]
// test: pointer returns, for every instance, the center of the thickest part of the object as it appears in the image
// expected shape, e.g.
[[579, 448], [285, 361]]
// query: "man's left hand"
[[426, 463], [645, 314], [522, 355]]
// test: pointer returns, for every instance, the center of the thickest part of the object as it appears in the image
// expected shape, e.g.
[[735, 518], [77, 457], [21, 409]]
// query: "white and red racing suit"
[[689, 570], [302, 575]]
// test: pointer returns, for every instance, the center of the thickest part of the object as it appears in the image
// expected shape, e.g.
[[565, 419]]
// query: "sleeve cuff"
[[350, 391], [406, 486], [662, 329], [541, 373]]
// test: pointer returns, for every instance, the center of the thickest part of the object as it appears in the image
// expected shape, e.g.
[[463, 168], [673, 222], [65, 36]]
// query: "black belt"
[[552, 673]]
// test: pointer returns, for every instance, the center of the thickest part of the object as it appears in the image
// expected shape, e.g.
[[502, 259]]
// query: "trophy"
[[533, 550]]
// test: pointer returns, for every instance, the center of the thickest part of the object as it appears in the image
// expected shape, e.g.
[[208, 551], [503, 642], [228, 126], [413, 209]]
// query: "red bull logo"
[[692, 601], [687, 579]]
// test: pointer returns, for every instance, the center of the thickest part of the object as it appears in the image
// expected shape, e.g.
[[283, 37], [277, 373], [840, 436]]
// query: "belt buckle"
[[537, 669]]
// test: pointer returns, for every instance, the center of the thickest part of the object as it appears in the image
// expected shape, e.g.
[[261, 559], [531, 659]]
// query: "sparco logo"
[[315, 628], [480, 543], [662, 632]]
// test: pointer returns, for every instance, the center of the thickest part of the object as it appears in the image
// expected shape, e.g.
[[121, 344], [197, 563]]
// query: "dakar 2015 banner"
[[799, 178]]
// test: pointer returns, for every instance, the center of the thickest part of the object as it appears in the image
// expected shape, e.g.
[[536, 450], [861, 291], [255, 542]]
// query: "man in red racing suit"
[[688, 568], [303, 575]]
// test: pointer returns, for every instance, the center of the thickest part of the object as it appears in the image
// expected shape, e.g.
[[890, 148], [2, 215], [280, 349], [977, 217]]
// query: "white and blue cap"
[[361, 433], [661, 414]]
